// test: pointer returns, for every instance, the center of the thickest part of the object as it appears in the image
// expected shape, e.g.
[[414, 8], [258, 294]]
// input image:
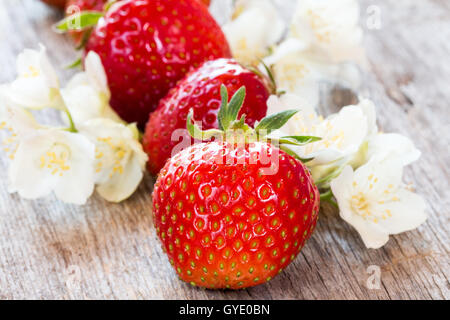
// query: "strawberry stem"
[[231, 128], [228, 112], [72, 127], [328, 197]]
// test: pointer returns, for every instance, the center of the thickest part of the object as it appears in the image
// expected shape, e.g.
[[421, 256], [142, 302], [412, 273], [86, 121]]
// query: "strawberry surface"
[[200, 90], [56, 3], [147, 46], [84, 5], [227, 225]]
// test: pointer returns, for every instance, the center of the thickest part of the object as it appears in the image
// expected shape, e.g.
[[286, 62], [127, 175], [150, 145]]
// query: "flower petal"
[[53, 160], [96, 73], [330, 29], [120, 158], [372, 235], [37, 85], [293, 73], [406, 213], [393, 146], [78, 185], [341, 186], [254, 29], [24, 177], [121, 186]]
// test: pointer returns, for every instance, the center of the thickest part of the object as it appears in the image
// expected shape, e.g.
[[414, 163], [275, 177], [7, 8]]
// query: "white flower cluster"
[[320, 43], [96, 150], [353, 163], [362, 167]]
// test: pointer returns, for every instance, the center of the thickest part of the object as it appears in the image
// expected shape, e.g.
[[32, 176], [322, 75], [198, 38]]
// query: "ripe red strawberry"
[[222, 221], [147, 46], [200, 90], [56, 3]]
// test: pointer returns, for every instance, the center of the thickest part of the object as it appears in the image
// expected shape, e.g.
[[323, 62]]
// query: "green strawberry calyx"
[[82, 21], [266, 74], [233, 129], [78, 21]]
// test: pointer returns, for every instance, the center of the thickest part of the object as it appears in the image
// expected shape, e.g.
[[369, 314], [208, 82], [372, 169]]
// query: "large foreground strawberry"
[[200, 90], [146, 46], [226, 216]]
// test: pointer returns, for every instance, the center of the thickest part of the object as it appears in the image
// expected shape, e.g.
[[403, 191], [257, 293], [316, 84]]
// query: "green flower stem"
[[72, 127], [324, 182], [328, 197]]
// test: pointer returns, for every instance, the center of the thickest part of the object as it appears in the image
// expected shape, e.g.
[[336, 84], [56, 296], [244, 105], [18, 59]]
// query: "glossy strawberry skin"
[[200, 90], [56, 3], [84, 5], [229, 226], [146, 46]]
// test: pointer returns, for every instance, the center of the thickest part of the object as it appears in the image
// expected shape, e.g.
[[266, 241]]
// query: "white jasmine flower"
[[392, 146], [87, 94], [96, 73], [256, 25], [375, 202], [120, 159], [384, 146], [15, 121], [329, 30], [53, 160], [37, 85], [323, 38], [294, 73], [381, 146], [368, 108], [341, 134]]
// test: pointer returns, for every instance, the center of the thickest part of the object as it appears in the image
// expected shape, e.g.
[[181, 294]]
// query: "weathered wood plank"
[[106, 251]]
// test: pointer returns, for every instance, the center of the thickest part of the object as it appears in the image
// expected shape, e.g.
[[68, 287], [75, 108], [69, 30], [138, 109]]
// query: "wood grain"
[[104, 251]]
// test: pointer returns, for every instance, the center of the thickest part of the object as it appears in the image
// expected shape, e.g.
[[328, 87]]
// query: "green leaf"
[[236, 103], [223, 108], [329, 197], [239, 124], [275, 121], [78, 21], [84, 39], [270, 75], [198, 133], [298, 140], [325, 181], [293, 154], [75, 64], [229, 111]]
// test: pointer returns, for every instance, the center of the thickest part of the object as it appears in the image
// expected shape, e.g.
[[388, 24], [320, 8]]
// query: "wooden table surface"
[[110, 251]]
